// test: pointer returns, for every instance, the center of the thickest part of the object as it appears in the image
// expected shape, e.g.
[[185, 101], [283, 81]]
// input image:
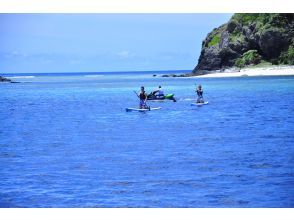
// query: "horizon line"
[[129, 71]]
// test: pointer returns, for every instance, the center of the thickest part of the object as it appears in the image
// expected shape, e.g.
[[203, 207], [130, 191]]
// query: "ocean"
[[67, 141]]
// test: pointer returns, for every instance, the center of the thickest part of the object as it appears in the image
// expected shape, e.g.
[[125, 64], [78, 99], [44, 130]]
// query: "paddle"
[[136, 93]]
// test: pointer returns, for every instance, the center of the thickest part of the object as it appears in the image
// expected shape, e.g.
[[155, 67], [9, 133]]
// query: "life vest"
[[143, 96]]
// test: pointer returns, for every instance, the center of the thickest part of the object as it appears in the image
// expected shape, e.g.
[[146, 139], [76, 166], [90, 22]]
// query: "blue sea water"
[[67, 141]]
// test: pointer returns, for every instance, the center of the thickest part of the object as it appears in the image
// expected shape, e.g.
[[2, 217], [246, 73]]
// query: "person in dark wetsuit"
[[199, 92], [143, 99]]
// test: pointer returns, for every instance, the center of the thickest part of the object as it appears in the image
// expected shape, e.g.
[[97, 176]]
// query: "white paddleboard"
[[141, 110], [199, 104]]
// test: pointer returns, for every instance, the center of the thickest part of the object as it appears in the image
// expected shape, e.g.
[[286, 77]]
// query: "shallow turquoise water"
[[68, 142]]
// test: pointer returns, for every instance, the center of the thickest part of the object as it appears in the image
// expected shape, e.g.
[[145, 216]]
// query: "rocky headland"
[[247, 40]]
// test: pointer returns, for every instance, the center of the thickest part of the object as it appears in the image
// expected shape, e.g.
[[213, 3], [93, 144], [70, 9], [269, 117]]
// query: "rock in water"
[[247, 39], [3, 79]]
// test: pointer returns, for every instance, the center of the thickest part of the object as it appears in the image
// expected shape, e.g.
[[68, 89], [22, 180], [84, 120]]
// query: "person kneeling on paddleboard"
[[143, 99], [199, 92]]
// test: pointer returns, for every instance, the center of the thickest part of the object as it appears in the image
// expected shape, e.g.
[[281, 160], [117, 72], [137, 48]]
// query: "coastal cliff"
[[248, 39]]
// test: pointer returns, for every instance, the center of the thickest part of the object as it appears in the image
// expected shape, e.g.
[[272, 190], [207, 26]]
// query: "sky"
[[35, 43]]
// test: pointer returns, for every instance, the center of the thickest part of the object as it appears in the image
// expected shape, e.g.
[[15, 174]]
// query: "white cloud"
[[125, 54], [74, 62], [47, 61], [15, 54]]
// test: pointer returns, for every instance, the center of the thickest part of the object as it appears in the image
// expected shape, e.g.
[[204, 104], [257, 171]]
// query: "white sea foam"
[[187, 99], [21, 77], [93, 76]]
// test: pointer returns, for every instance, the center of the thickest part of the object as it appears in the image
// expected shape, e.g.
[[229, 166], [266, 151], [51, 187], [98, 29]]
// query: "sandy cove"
[[258, 71]]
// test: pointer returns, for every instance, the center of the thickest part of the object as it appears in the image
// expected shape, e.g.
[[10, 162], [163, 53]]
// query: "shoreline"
[[253, 71]]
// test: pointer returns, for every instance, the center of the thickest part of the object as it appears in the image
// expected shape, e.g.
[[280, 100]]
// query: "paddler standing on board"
[[143, 98], [199, 92]]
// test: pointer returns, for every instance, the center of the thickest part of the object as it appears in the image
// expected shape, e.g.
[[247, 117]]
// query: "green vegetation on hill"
[[287, 57], [215, 40], [248, 58]]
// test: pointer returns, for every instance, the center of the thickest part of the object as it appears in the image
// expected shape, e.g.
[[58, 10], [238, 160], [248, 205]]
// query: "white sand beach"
[[258, 71]]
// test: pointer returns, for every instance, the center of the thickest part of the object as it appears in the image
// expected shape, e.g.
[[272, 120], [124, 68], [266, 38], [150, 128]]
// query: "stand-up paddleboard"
[[199, 104], [142, 109]]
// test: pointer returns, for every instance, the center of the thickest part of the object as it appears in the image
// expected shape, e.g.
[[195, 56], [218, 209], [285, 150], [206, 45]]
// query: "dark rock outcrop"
[[3, 79], [270, 36]]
